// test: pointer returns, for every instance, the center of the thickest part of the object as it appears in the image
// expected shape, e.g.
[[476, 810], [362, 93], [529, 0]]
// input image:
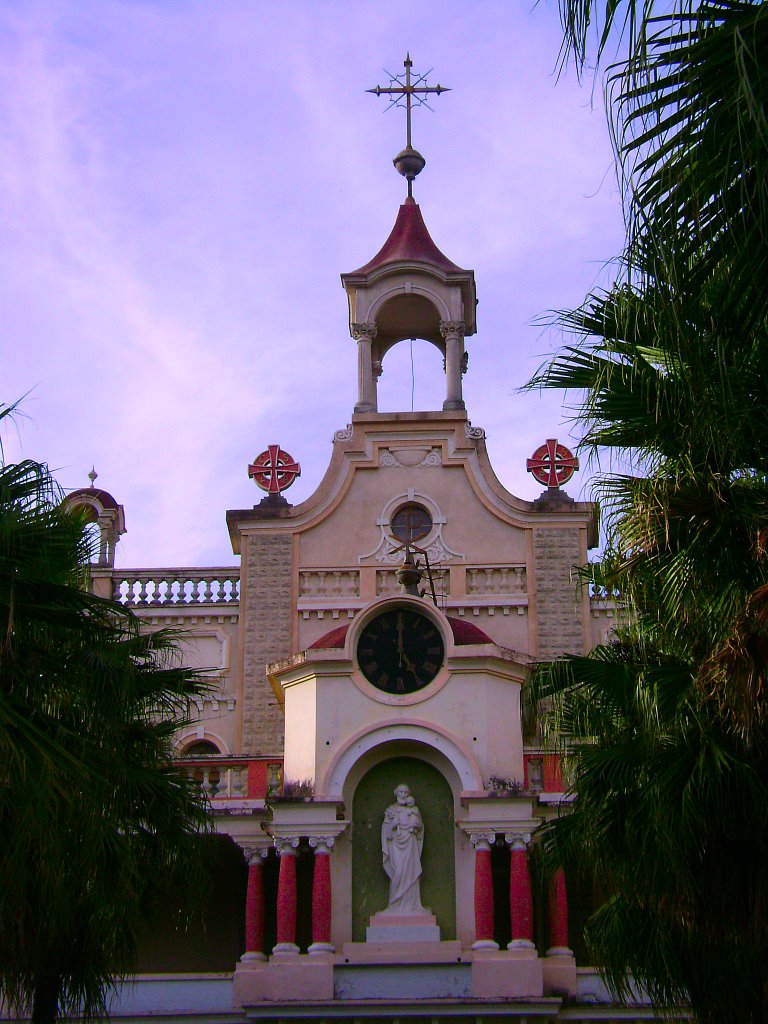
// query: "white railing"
[[160, 588]]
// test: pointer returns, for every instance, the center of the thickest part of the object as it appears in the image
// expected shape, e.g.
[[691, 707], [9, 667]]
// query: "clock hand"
[[409, 665]]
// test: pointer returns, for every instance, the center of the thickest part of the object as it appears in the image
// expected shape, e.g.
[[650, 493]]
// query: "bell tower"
[[409, 289]]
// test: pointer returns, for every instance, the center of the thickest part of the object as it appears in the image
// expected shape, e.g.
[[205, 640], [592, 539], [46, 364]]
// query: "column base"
[[283, 980], [365, 407], [559, 969], [521, 944], [285, 949], [252, 957], [506, 974], [321, 947], [453, 403], [485, 944]]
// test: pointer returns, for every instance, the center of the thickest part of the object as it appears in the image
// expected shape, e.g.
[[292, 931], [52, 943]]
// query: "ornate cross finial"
[[402, 91]]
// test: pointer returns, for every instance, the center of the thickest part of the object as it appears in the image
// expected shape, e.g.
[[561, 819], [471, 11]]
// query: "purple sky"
[[182, 183]]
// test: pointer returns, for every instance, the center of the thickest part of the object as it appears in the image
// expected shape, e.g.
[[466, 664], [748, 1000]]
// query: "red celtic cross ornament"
[[552, 464], [274, 470]]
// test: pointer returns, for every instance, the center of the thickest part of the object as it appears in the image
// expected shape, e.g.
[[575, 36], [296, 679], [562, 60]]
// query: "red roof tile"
[[410, 240]]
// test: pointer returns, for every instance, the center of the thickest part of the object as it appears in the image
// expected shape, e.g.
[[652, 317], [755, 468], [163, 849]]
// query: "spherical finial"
[[409, 162], [92, 476]]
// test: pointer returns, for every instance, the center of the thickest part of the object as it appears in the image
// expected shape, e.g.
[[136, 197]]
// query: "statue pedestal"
[[386, 927]]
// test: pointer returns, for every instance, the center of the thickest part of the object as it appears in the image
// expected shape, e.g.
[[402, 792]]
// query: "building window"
[[201, 748], [411, 523]]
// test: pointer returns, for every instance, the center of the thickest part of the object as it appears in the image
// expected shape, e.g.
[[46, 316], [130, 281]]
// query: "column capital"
[[482, 840], [364, 331], [322, 844], [452, 328], [517, 840], [286, 845], [255, 854]]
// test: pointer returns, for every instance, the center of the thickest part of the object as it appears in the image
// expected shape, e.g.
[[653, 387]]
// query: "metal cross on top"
[[409, 162]]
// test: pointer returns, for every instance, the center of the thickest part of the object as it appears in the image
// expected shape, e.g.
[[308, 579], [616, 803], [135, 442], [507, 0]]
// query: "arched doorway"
[[434, 799]]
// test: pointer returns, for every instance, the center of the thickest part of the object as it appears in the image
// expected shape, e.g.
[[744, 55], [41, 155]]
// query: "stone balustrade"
[[219, 780], [158, 588]]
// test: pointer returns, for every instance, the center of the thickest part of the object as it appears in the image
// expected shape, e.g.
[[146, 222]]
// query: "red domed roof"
[[409, 240], [464, 633], [104, 498], [328, 641], [467, 633]]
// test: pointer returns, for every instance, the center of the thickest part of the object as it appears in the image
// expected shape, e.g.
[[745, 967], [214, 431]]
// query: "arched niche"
[[434, 798], [103, 516]]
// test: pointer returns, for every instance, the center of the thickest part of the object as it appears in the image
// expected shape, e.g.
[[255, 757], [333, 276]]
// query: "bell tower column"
[[364, 335], [453, 332]]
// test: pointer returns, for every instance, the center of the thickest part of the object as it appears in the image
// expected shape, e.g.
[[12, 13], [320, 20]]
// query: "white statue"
[[402, 837]]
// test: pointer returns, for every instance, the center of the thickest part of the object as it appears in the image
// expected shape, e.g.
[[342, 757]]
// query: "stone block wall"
[[559, 599], [266, 614]]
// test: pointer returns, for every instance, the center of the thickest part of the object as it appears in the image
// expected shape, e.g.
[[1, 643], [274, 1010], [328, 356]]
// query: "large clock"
[[400, 651]]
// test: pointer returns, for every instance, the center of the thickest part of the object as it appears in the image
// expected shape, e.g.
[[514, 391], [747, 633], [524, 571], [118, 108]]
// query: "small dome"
[[464, 633]]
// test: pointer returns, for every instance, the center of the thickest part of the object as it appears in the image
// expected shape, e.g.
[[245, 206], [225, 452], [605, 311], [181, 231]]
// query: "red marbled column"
[[321, 897], [558, 914], [254, 907], [286, 899], [520, 897], [483, 892]]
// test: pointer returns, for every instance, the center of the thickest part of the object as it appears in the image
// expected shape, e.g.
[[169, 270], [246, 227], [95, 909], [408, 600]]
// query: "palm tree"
[[95, 820], [670, 820], [670, 763]]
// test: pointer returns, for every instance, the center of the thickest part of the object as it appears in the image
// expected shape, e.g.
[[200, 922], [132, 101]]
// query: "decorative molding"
[[392, 553], [398, 459], [389, 550], [345, 434], [473, 433]]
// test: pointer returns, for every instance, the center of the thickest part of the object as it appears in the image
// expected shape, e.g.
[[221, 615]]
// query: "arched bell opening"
[[412, 377], [409, 312], [407, 316], [434, 798]]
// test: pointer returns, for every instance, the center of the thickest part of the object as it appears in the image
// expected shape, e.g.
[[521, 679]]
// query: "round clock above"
[[400, 651]]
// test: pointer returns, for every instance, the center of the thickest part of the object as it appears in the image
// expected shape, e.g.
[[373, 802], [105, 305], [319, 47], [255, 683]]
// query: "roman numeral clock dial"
[[400, 651]]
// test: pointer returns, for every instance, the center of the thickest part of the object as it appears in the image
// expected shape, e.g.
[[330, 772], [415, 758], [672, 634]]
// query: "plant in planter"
[[499, 786]]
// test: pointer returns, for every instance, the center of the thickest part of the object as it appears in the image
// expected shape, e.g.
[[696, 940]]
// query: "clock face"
[[400, 651]]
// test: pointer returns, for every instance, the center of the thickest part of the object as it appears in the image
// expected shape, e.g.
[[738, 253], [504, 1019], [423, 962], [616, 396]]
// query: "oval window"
[[411, 523]]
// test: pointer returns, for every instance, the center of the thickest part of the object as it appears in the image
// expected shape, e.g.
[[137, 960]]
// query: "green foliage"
[[95, 819], [666, 728]]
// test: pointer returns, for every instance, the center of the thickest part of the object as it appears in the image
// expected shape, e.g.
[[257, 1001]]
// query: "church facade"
[[375, 784]]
